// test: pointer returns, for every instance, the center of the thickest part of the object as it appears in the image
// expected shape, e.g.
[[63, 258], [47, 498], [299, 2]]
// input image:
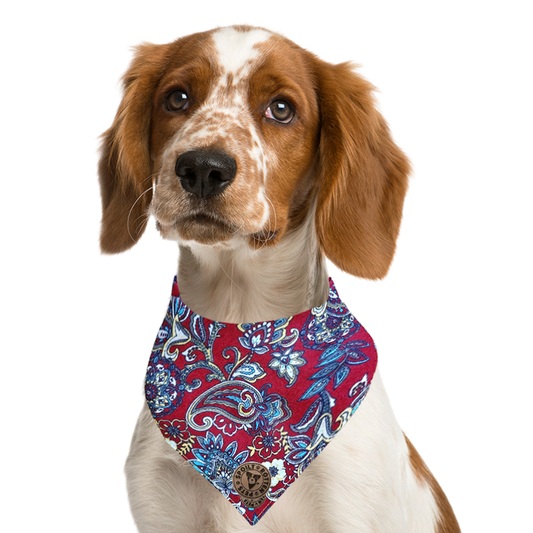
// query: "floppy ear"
[[125, 166], [362, 175]]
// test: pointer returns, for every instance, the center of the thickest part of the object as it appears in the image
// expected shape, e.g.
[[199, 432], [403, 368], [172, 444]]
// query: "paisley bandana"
[[249, 406]]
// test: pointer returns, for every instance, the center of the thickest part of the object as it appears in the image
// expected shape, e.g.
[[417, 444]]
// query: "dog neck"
[[242, 285]]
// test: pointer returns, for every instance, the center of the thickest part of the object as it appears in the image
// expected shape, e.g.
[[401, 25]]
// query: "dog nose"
[[205, 173]]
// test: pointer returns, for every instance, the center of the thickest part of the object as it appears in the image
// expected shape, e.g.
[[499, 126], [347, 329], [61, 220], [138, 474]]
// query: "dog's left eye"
[[281, 111], [177, 100]]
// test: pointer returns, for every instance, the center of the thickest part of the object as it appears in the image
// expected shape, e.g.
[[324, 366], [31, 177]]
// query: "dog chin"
[[211, 232], [202, 229]]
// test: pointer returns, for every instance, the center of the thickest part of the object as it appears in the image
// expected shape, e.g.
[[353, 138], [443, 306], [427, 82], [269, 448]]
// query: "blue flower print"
[[224, 481], [257, 337], [218, 464], [286, 362], [164, 388]]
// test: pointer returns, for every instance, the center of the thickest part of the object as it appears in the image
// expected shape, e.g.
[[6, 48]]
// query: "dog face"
[[236, 136], [252, 480], [233, 130]]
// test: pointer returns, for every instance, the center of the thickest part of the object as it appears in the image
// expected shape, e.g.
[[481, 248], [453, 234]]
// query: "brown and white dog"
[[261, 160]]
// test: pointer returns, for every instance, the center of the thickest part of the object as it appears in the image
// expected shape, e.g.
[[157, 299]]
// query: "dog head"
[[236, 136]]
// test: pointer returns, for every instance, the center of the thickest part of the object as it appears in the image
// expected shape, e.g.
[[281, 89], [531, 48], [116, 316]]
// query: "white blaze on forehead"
[[236, 48], [238, 55], [225, 114]]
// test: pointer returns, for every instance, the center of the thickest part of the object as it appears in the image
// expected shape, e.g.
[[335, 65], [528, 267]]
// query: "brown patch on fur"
[[125, 159], [446, 521], [362, 175], [283, 75], [126, 166]]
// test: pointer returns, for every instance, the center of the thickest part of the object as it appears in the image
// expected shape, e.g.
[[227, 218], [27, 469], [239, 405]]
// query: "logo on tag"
[[252, 482]]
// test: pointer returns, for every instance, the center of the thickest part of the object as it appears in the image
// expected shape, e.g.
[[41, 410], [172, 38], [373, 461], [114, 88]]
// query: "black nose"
[[205, 173]]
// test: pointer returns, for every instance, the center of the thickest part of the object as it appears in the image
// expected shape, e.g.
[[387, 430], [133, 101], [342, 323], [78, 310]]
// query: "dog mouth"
[[204, 219], [207, 228], [202, 227]]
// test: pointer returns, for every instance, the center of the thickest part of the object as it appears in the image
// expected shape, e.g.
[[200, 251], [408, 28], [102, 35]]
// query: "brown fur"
[[284, 76], [125, 162], [338, 144], [363, 175], [446, 521]]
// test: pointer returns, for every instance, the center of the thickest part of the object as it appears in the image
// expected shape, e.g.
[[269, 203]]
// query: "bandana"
[[249, 406]]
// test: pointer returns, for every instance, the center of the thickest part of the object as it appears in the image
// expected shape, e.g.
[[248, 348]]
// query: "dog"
[[261, 161]]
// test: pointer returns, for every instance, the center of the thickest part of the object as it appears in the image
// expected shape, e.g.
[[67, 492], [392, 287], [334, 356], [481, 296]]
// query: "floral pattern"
[[274, 392], [277, 471], [176, 434], [268, 444], [286, 363]]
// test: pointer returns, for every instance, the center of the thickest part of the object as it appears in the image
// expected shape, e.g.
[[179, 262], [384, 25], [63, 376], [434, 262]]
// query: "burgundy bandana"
[[251, 405]]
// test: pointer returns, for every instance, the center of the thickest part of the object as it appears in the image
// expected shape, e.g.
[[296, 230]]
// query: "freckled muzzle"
[[205, 173]]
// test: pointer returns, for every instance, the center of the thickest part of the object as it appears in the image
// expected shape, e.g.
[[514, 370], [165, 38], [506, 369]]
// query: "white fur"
[[237, 51], [362, 482]]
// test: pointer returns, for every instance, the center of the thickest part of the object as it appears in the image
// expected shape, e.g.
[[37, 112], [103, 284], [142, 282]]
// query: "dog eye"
[[281, 111], [177, 100]]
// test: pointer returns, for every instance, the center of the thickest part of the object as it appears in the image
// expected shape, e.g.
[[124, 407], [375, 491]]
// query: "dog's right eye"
[[280, 111], [177, 100]]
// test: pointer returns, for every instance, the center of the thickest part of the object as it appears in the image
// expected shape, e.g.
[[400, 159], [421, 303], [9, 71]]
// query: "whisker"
[[233, 282], [131, 209], [151, 176], [275, 214], [269, 222], [144, 216], [240, 227]]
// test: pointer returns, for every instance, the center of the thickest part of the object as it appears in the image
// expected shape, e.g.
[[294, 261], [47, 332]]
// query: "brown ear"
[[125, 166], [362, 173]]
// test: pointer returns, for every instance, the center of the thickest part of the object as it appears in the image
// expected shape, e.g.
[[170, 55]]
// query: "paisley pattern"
[[272, 392]]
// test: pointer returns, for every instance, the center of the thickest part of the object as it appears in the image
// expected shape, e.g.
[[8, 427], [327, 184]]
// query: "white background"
[[452, 321]]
